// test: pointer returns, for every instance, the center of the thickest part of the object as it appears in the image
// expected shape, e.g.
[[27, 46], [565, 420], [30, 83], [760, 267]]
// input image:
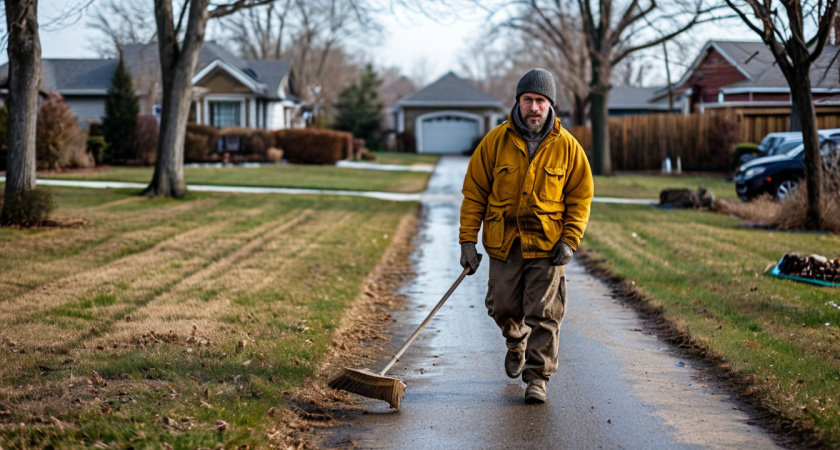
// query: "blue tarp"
[[778, 273]]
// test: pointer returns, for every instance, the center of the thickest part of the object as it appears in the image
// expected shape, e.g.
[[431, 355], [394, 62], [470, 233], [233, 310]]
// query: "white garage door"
[[448, 134]]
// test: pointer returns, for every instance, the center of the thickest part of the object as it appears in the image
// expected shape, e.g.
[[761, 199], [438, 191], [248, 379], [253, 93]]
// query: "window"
[[225, 114]]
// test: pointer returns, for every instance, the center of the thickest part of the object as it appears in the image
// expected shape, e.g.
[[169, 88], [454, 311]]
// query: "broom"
[[366, 383]]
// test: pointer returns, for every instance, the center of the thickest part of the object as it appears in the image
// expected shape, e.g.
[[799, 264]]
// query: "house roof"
[[449, 90], [271, 73], [630, 96], [93, 76], [755, 61], [264, 77], [74, 76]]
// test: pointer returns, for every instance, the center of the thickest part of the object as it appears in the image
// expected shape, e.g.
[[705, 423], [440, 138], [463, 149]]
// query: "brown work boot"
[[535, 393], [514, 363]]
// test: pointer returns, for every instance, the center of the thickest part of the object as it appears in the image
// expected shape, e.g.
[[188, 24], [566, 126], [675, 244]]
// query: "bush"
[[56, 128], [406, 142], [312, 146], [27, 208], [789, 213], [145, 140], [744, 148], [75, 154], [274, 155], [200, 141], [97, 146]]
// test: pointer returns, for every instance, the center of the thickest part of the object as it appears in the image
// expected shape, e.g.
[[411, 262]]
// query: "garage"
[[448, 134], [444, 117]]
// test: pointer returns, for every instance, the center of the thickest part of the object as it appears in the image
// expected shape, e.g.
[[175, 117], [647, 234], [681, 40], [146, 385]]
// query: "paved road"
[[616, 386]]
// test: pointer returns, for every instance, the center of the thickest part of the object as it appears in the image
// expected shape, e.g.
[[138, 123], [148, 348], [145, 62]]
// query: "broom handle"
[[428, 318]]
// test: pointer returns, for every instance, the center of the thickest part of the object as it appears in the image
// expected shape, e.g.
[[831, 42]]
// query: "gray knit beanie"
[[538, 81]]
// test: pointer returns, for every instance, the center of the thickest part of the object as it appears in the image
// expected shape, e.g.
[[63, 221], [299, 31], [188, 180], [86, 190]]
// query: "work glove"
[[561, 254], [469, 257]]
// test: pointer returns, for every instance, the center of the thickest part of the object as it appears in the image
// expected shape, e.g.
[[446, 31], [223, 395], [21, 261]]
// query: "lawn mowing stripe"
[[19, 309], [26, 333]]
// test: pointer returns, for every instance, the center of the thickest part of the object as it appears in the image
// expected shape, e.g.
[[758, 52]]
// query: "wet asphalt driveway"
[[616, 385]]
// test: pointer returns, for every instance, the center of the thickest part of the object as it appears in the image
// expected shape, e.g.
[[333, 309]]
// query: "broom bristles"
[[371, 385]]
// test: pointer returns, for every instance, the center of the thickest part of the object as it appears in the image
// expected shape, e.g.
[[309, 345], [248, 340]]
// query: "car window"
[[785, 147], [796, 150]]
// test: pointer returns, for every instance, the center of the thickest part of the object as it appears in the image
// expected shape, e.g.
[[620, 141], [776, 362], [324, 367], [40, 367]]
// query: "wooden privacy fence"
[[701, 141], [755, 123]]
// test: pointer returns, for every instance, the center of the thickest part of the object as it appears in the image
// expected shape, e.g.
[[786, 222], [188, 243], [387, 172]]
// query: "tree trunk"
[[599, 120], [579, 112], [24, 79], [804, 102], [177, 64]]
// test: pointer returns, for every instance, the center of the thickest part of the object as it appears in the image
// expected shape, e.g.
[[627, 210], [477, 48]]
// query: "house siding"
[[275, 116], [220, 82], [87, 109], [713, 73]]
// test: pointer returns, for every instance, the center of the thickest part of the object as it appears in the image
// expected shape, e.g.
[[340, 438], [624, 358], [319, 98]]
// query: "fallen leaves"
[[220, 426]]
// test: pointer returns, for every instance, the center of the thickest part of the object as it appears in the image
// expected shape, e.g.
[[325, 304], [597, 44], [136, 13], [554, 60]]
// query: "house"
[[447, 116], [227, 90], [744, 74], [627, 100], [82, 82]]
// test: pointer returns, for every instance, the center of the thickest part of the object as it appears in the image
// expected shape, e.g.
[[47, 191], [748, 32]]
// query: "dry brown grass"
[[789, 213], [152, 294]]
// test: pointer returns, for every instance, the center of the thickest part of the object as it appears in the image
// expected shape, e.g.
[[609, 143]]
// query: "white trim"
[[418, 124], [448, 103], [198, 113], [775, 90], [252, 114], [244, 79], [82, 91], [400, 120]]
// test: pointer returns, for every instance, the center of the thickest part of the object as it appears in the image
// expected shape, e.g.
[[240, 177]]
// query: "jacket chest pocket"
[[553, 182], [505, 182]]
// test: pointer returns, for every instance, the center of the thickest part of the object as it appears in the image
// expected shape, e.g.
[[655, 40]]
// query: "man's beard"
[[536, 125]]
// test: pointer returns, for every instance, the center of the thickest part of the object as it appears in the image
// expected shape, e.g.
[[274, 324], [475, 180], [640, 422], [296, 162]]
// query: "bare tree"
[[123, 23], [610, 32], [24, 80], [795, 53], [260, 33], [553, 38], [178, 58]]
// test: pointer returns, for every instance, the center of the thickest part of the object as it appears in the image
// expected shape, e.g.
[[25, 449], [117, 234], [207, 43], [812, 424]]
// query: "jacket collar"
[[520, 141]]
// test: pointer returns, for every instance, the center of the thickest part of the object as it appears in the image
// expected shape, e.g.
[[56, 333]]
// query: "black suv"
[[779, 175]]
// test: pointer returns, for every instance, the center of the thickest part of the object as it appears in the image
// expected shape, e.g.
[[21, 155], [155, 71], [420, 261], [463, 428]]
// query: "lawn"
[[288, 175], [707, 275], [404, 159], [649, 186], [160, 318]]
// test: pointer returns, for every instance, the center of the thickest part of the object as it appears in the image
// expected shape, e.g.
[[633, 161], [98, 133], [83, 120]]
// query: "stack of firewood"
[[815, 267]]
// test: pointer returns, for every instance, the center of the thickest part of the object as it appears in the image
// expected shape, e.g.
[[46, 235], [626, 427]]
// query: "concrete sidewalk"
[[616, 386], [390, 196]]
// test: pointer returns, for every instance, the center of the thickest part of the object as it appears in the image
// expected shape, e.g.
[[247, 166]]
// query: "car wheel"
[[785, 188]]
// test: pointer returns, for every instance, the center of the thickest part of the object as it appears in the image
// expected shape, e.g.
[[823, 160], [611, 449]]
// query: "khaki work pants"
[[527, 299]]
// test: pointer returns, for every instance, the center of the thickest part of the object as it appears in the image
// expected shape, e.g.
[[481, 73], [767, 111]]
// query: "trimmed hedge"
[[200, 142], [314, 146]]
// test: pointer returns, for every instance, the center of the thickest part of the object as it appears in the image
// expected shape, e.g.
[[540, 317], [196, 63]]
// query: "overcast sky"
[[412, 42]]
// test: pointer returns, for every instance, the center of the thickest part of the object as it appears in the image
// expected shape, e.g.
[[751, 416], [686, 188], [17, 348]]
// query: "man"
[[530, 184]]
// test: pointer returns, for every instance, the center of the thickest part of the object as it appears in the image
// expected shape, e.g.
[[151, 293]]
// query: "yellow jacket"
[[540, 201]]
